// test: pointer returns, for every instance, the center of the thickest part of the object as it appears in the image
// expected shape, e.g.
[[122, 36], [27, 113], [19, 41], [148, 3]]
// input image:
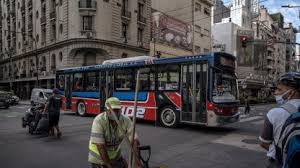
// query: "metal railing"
[[52, 15], [126, 13]]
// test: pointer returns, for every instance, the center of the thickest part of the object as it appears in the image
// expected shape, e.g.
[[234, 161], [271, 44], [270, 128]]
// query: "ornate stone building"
[[40, 36]]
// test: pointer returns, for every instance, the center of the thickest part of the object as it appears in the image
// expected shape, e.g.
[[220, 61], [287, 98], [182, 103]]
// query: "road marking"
[[244, 115], [250, 119], [236, 140]]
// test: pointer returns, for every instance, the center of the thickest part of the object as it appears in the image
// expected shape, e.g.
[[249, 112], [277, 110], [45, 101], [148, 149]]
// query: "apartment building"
[[40, 36]]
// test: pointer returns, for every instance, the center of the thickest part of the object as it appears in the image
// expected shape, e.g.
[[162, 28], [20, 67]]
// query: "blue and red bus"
[[200, 89]]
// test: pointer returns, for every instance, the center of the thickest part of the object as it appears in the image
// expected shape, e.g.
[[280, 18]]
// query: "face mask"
[[111, 116], [279, 98]]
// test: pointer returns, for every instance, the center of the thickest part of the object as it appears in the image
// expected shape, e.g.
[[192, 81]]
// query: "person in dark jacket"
[[247, 105], [53, 108]]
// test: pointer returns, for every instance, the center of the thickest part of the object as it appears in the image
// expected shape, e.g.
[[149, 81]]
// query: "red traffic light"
[[244, 41]]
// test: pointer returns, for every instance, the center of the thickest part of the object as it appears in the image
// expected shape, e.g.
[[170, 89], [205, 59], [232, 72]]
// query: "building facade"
[[188, 12], [291, 63], [38, 37], [220, 11]]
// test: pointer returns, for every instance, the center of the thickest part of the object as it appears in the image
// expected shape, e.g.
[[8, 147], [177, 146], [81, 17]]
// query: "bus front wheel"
[[169, 117], [81, 110]]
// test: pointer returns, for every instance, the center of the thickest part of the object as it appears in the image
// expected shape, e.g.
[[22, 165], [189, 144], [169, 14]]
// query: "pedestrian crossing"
[[255, 120]]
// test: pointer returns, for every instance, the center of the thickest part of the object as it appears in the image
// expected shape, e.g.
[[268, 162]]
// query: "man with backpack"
[[280, 127]]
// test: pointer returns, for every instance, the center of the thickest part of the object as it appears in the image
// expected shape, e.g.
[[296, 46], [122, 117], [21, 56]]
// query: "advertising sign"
[[171, 31]]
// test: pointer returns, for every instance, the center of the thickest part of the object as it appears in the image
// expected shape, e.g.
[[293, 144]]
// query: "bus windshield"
[[224, 88]]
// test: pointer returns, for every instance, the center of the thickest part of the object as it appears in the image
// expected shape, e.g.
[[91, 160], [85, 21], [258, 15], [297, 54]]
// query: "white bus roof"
[[122, 60]]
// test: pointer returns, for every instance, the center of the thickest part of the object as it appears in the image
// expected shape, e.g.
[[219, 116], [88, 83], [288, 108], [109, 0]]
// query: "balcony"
[[126, 16], [43, 20], [87, 5], [270, 58], [142, 20], [53, 15]]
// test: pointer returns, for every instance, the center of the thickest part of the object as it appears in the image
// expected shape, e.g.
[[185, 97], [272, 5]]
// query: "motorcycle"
[[35, 119]]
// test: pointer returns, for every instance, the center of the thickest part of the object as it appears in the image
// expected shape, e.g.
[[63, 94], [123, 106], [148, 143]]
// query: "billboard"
[[171, 31]]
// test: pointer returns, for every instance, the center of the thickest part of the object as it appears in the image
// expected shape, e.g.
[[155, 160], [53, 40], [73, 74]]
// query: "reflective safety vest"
[[102, 132], [94, 154]]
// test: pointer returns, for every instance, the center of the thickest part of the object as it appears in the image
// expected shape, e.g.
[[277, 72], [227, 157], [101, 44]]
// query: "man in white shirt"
[[287, 92]]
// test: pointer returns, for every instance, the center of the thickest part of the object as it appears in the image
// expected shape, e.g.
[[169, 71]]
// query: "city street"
[[235, 145]]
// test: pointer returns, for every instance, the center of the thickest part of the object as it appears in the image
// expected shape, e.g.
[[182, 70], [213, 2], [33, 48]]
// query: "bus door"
[[68, 90], [193, 91], [106, 87], [102, 90]]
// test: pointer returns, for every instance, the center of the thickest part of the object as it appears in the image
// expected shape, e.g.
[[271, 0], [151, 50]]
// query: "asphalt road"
[[232, 146]]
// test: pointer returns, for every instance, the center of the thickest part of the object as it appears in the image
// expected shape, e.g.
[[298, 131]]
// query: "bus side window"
[[78, 85]]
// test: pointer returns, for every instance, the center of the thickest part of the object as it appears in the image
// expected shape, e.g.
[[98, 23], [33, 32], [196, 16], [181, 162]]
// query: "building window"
[[140, 10], [61, 28], [87, 23], [60, 2], [53, 5], [124, 55], [53, 62], [206, 50], [53, 37], [18, 5], [207, 11], [19, 24], [37, 14], [60, 56], [43, 34], [124, 31], [37, 38], [19, 45], [124, 6], [140, 35]]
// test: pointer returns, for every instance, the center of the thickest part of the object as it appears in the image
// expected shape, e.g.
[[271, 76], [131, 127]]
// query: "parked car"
[[4, 99], [40, 96]]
